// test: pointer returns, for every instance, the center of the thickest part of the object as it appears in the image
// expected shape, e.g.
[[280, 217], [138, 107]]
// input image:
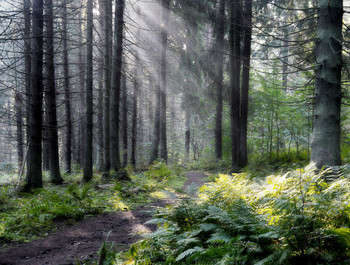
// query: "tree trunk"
[[27, 60], [125, 121], [100, 131], [67, 101], [156, 133], [107, 82], [243, 155], [220, 39], [82, 70], [325, 146], [116, 82], [34, 169], [163, 75], [88, 163], [19, 128], [235, 65], [134, 115], [52, 135], [46, 152], [187, 136]]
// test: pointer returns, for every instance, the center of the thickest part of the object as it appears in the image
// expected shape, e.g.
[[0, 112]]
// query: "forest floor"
[[81, 241]]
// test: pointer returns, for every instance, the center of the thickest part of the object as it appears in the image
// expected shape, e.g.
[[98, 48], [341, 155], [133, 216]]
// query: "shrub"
[[295, 218]]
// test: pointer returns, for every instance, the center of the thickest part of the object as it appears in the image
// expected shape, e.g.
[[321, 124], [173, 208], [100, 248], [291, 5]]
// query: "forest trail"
[[82, 240]]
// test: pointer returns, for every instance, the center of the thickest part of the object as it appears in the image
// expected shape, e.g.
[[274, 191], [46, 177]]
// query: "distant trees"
[[173, 83]]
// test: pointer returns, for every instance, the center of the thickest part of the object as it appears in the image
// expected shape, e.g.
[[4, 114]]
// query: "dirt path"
[[82, 240]]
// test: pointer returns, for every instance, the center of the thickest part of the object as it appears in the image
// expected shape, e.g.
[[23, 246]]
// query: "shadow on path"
[[82, 240]]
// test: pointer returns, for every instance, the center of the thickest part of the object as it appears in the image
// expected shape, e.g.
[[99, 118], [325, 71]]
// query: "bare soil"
[[81, 241]]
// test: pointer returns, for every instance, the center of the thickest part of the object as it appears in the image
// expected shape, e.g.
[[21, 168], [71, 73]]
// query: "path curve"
[[82, 240]]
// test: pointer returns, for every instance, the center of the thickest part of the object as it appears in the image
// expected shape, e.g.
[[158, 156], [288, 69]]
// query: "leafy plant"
[[295, 218]]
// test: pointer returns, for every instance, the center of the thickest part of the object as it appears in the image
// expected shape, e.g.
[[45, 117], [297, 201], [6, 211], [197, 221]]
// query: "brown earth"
[[82, 240]]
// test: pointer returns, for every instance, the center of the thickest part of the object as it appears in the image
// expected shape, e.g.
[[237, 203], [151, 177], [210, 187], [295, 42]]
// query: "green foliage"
[[27, 216], [295, 218], [33, 215]]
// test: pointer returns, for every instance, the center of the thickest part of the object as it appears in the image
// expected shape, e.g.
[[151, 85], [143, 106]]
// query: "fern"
[[188, 253]]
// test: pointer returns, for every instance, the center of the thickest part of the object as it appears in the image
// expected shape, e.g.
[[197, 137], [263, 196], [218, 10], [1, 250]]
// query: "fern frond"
[[188, 253]]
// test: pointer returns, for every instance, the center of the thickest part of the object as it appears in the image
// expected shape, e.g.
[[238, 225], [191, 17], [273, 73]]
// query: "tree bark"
[[107, 82], [88, 163], [19, 128], [325, 146], [54, 165], [187, 136], [116, 82], [82, 71], [100, 130], [243, 155], [135, 115], [163, 75], [34, 168], [67, 101], [220, 39], [125, 121], [156, 130], [27, 60], [235, 65]]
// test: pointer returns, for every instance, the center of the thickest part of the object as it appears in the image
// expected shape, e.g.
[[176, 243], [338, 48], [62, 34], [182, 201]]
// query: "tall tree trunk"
[[134, 115], [137, 73], [88, 163], [82, 70], [187, 136], [220, 39], [243, 155], [100, 131], [34, 169], [116, 82], [163, 94], [19, 128], [235, 65], [27, 60], [54, 165], [125, 121], [325, 146], [156, 130], [67, 101], [46, 144], [107, 82]]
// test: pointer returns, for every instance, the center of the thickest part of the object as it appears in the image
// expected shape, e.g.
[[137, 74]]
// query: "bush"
[[295, 218]]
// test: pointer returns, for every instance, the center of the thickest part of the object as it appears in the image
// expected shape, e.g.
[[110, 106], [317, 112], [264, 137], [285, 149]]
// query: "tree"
[[235, 70], [88, 162], [107, 82], [125, 121], [100, 120], [34, 168], [50, 89], [163, 63], [116, 84], [247, 40], [220, 38], [27, 58], [67, 94], [325, 145]]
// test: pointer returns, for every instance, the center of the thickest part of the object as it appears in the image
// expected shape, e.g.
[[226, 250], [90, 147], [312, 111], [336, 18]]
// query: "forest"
[[174, 132]]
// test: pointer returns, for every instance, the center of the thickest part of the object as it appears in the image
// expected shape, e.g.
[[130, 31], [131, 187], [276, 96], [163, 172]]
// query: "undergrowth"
[[27, 216], [294, 218]]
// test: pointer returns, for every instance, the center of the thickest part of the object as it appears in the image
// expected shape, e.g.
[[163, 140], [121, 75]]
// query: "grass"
[[28, 216]]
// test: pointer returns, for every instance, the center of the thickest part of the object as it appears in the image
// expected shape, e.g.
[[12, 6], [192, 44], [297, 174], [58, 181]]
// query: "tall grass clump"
[[294, 218]]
